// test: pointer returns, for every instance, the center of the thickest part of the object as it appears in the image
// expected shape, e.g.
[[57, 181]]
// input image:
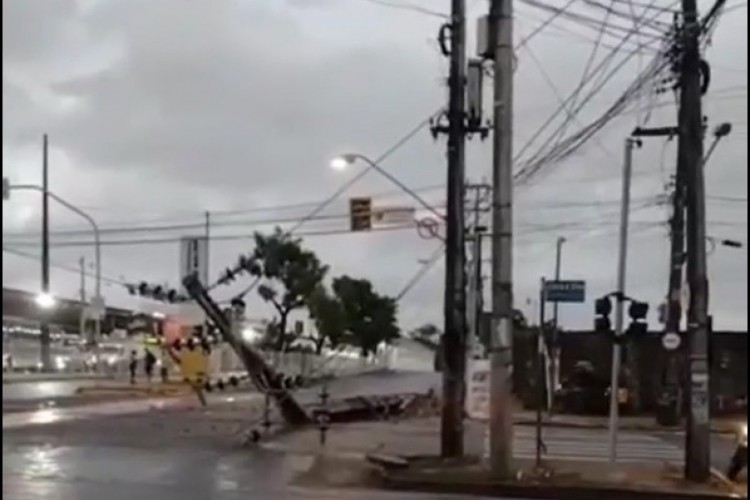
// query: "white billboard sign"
[[194, 258], [393, 215]]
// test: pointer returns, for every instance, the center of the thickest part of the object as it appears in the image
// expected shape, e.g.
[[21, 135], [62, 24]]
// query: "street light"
[[97, 300], [720, 132], [713, 242], [45, 300], [341, 163]]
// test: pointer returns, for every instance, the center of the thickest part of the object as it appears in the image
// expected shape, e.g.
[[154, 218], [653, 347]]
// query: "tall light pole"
[[44, 337], [98, 301], [622, 261]]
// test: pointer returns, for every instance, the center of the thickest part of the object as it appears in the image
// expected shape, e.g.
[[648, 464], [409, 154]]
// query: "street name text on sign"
[[565, 291]]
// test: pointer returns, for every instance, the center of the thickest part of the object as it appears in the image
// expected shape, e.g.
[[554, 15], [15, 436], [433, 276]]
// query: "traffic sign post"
[[573, 291]]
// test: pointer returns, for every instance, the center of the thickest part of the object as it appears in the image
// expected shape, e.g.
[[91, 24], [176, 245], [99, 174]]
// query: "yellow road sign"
[[194, 365]]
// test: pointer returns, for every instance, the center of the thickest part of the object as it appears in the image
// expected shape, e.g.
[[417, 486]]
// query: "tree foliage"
[[290, 275], [328, 314], [370, 318]]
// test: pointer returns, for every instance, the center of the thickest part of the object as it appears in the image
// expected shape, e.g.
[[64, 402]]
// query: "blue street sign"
[[565, 291]]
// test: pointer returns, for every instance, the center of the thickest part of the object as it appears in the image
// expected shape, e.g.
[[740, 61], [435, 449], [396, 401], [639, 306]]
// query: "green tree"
[[370, 318], [328, 314], [290, 274]]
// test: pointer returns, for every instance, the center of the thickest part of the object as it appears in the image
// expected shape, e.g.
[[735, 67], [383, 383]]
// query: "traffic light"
[[638, 311], [602, 309], [161, 293], [360, 214]]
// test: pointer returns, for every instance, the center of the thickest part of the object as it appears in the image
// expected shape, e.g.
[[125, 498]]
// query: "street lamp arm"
[[73, 208], [395, 181]]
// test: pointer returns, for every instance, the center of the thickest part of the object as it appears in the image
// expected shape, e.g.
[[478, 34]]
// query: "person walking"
[[132, 365], [149, 361]]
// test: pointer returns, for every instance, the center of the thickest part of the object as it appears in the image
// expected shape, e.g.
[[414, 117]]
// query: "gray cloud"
[[160, 110]]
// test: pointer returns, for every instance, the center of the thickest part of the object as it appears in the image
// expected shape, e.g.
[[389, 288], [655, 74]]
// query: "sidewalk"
[[718, 425], [20, 378], [409, 445]]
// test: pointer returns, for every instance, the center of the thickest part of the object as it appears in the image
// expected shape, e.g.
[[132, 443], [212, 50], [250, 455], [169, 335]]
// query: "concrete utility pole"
[[84, 306], [672, 395], [554, 340], [501, 357], [475, 302], [44, 334], [452, 427], [614, 408], [697, 446]]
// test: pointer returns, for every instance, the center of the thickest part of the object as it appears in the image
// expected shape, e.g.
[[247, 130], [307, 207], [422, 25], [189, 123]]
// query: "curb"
[[504, 490]]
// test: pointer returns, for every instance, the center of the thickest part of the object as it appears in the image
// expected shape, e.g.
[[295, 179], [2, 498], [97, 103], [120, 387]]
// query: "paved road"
[[36, 473], [40, 390], [108, 458]]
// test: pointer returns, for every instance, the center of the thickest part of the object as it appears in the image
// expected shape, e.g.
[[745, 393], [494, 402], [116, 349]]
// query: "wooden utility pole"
[[697, 448], [501, 338], [452, 428]]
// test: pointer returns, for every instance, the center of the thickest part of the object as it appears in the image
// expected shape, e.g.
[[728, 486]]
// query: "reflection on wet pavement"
[[94, 473], [164, 456], [87, 473]]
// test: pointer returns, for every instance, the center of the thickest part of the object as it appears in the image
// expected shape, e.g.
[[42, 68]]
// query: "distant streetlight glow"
[[45, 300], [250, 335], [341, 163]]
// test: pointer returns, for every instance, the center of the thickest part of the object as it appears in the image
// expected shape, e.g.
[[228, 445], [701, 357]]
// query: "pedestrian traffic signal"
[[638, 311], [360, 214], [602, 309]]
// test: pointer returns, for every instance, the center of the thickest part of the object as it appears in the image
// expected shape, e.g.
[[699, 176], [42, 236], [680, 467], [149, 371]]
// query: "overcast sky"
[[160, 110]]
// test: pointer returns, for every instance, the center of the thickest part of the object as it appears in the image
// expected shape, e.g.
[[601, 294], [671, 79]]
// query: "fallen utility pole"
[[263, 376], [501, 341], [690, 124]]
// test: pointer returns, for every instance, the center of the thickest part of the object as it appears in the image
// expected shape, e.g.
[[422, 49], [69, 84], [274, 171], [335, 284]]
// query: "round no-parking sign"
[[670, 341]]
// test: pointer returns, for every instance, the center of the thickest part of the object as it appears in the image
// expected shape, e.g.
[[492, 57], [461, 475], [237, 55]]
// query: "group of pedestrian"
[[149, 362]]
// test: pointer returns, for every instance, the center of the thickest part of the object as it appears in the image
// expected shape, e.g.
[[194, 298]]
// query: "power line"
[[409, 7], [77, 271], [200, 224], [229, 237], [729, 199]]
